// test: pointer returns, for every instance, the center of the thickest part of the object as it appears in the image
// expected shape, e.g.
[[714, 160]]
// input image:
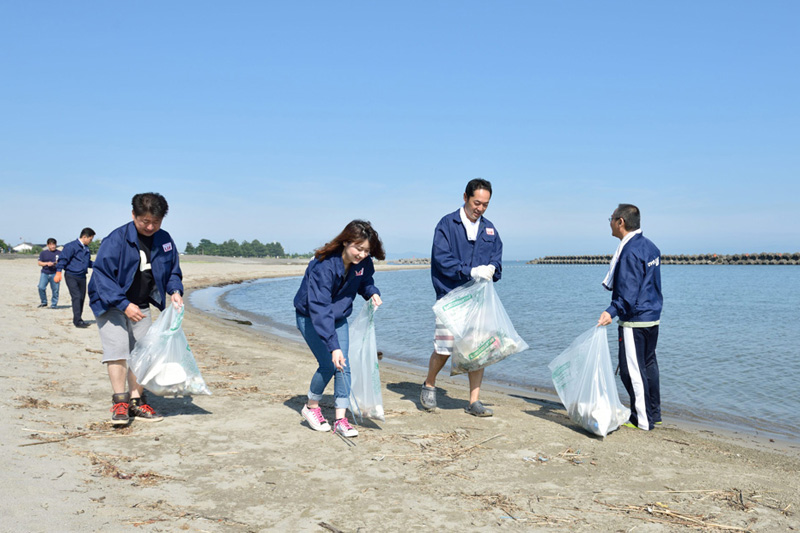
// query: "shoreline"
[[275, 331], [242, 460]]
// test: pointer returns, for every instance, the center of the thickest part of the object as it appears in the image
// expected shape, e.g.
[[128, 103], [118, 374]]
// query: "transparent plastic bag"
[[366, 399], [482, 332], [163, 362], [584, 380]]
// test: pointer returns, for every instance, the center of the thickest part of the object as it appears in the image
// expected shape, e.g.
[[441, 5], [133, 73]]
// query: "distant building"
[[22, 247]]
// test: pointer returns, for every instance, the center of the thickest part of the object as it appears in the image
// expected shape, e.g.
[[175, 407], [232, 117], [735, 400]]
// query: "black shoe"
[[42, 305], [119, 411], [82, 324], [140, 409]]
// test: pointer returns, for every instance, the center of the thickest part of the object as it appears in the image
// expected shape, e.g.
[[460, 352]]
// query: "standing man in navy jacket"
[[137, 265], [634, 278], [75, 261], [465, 245]]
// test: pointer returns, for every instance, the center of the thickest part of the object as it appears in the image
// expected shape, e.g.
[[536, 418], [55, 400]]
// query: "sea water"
[[728, 347]]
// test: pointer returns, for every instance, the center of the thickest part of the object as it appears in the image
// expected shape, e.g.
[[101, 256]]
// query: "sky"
[[283, 121]]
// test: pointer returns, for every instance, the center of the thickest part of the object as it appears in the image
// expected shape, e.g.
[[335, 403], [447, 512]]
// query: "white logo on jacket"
[[489, 231], [360, 272], [167, 246], [654, 262]]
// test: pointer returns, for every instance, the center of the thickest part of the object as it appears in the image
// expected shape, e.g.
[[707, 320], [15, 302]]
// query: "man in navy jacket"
[[137, 266], [635, 281], [75, 261], [465, 245]]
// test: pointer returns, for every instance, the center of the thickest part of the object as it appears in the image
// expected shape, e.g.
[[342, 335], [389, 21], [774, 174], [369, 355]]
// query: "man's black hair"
[[150, 203], [476, 184], [630, 214]]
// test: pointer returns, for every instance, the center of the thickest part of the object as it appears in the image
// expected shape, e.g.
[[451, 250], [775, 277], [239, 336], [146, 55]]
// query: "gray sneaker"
[[427, 397], [478, 409]]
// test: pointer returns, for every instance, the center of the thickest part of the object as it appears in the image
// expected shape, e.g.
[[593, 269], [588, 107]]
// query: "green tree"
[[259, 250], [246, 249], [94, 246], [190, 250], [229, 248], [207, 247], [273, 250], [3, 246]]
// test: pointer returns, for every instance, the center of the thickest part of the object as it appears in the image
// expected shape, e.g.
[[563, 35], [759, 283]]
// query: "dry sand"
[[243, 460]]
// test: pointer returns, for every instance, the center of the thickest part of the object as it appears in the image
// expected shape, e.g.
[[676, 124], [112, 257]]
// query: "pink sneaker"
[[343, 428], [315, 419]]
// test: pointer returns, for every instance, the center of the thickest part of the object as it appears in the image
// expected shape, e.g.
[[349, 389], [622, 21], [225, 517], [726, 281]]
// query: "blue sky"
[[282, 121]]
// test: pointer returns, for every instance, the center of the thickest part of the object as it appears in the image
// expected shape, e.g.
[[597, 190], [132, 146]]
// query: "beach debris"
[[92, 350], [29, 402], [493, 501], [242, 322], [571, 456], [661, 513], [68, 436], [438, 448], [107, 467], [329, 527], [538, 458]]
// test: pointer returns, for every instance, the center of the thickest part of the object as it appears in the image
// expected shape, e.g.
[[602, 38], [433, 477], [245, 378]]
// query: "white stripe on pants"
[[635, 374]]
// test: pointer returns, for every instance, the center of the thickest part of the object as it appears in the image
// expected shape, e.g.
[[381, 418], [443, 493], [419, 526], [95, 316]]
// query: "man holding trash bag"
[[634, 277], [465, 246], [137, 265]]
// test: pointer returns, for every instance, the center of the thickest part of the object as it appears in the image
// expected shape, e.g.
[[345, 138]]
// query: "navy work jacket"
[[327, 292], [636, 295], [453, 256], [75, 259], [116, 264]]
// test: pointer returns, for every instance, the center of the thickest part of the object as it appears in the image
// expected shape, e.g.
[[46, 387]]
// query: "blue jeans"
[[44, 280], [326, 370]]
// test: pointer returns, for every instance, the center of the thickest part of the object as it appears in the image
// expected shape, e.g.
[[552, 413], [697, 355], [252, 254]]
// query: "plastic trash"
[[366, 399], [482, 332], [584, 380], [162, 361]]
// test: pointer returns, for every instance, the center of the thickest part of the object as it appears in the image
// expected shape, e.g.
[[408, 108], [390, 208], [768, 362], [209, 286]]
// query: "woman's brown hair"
[[355, 231]]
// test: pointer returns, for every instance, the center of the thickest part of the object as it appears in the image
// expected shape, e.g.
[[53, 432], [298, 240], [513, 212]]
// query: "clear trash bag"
[[482, 332], [366, 399], [163, 362], [585, 382]]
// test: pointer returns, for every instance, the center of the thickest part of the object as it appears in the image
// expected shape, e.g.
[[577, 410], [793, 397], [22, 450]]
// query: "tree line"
[[231, 248]]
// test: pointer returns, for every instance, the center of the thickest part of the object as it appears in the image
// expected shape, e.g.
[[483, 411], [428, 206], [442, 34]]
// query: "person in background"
[[466, 245], [47, 260], [634, 277], [137, 265], [339, 270], [75, 261]]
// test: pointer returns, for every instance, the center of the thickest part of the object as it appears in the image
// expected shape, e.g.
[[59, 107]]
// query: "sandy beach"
[[243, 460]]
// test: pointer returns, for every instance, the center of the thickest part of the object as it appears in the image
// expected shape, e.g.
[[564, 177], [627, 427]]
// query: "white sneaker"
[[315, 419], [343, 428]]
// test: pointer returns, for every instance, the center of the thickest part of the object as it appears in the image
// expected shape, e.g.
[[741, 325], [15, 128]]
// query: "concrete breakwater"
[[764, 258]]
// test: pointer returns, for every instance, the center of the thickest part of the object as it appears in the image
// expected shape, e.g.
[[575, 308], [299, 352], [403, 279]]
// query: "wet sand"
[[243, 459]]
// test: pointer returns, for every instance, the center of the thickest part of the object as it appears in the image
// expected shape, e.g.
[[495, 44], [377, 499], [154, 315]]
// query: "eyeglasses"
[[612, 218]]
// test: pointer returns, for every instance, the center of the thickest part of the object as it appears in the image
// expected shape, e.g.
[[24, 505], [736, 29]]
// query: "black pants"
[[77, 291], [638, 369]]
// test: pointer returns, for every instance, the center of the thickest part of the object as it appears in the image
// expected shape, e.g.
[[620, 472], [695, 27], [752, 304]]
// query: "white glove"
[[482, 272]]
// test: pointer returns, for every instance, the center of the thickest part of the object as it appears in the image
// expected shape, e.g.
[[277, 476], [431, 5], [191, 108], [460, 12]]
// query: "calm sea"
[[728, 348]]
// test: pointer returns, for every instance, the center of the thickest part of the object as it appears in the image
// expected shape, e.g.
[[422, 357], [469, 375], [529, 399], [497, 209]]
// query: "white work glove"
[[482, 272]]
